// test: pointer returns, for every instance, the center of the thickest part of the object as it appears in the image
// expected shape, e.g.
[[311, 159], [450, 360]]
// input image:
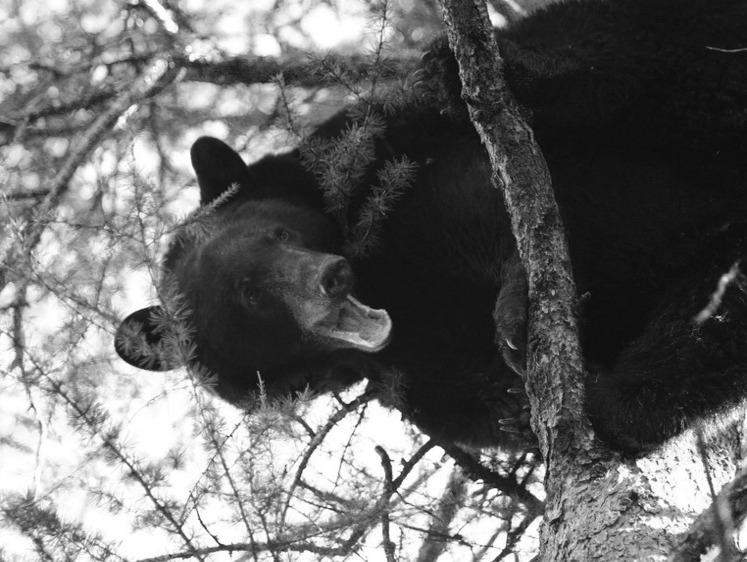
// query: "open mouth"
[[353, 324]]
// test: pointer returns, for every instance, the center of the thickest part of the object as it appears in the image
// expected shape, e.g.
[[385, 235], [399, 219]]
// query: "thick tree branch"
[[296, 70], [332, 69], [555, 373]]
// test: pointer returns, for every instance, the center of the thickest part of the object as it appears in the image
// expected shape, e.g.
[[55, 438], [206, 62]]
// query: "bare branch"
[[448, 507], [316, 441], [476, 471], [731, 277], [386, 463], [161, 74], [360, 529]]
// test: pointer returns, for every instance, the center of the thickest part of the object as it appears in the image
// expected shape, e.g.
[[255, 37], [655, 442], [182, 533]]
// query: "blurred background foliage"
[[99, 103]]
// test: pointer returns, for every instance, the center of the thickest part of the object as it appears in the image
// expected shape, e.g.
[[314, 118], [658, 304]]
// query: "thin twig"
[[729, 278], [314, 444], [386, 463], [473, 469], [87, 413], [161, 74], [722, 519], [360, 529]]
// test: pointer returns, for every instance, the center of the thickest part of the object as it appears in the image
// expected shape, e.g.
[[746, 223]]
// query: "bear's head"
[[259, 286]]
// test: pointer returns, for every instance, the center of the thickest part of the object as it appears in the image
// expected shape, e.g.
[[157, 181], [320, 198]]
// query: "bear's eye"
[[280, 234], [251, 294]]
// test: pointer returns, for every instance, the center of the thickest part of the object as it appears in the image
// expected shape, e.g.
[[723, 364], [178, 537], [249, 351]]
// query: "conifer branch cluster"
[[93, 139]]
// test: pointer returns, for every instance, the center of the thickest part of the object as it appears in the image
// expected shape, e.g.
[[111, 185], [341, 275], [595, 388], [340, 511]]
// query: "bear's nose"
[[337, 278]]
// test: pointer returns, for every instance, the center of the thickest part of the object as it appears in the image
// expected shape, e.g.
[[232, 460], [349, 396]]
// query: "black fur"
[[641, 114]]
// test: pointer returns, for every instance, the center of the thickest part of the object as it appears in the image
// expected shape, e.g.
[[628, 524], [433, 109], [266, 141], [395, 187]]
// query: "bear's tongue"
[[355, 325]]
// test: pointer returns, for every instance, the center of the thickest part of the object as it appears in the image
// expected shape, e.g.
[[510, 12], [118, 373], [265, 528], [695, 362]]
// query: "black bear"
[[640, 108]]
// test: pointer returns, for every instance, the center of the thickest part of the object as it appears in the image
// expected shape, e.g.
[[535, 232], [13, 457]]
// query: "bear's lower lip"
[[353, 324]]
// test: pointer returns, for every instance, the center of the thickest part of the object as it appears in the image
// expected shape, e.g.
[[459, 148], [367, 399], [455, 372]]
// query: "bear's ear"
[[217, 166], [139, 340]]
